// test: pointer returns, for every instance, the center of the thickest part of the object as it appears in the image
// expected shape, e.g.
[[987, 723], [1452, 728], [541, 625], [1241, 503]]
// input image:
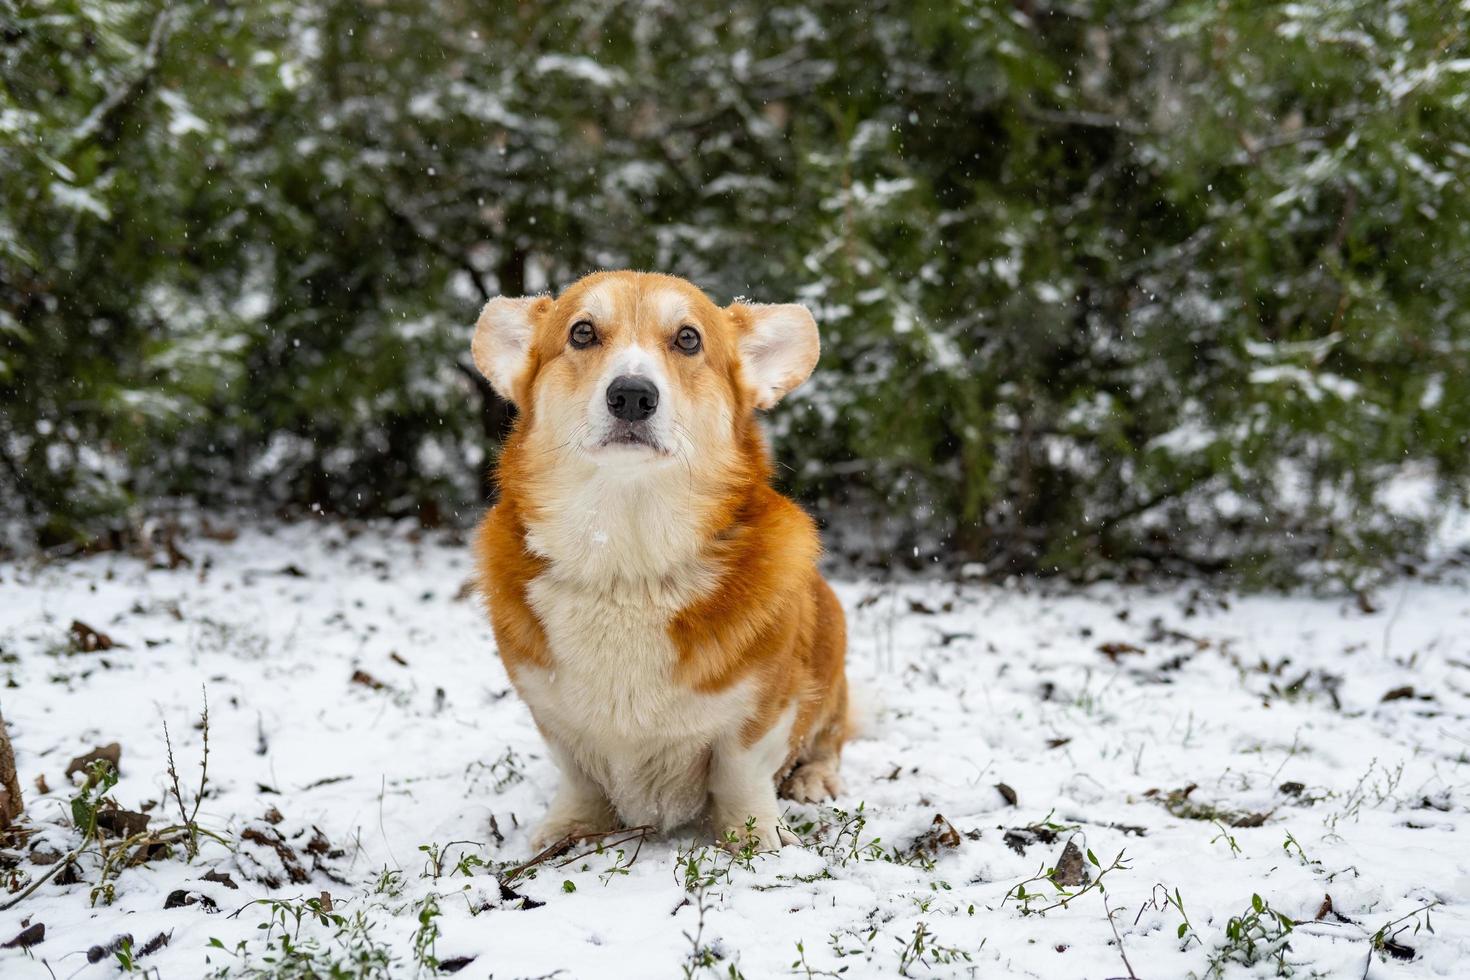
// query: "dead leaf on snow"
[[85, 639], [117, 822], [1248, 820], [1179, 804], [508, 895], [268, 841], [941, 835], [32, 935], [1115, 650], [1071, 870], [1398, 950], [319, 844], [1020, 838], [182, 898], [367, 680], [1440, 801], [326, 781], [112, 752], [455, 963], [266, 854]]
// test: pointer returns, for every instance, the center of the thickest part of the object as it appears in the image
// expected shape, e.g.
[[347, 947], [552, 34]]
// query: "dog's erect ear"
[[778, 347], [503, 338]]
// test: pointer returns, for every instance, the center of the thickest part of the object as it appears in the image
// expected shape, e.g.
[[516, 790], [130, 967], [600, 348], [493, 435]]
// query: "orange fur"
[[750, 614]]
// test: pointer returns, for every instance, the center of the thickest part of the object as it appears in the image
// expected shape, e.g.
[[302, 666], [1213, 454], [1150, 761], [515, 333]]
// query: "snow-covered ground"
[[364, 740]]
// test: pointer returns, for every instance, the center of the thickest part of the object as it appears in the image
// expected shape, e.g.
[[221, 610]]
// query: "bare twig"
[[1087, 119], [189, 819], [204, 762], [567, 843], [173, 772], [114, 857], [1109, 913], [64, 862]]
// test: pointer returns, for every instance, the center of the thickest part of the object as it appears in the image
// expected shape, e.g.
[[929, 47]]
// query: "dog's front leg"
[[579, 807], [743, 797]]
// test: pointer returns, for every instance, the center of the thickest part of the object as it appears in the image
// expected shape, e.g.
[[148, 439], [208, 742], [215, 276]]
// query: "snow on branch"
[[119, 98]]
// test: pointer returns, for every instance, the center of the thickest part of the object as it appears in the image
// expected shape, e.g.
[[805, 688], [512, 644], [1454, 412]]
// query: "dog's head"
[[628, 369]]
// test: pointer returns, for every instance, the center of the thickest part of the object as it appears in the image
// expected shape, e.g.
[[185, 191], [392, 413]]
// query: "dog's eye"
[[687, 340], [583, 334]]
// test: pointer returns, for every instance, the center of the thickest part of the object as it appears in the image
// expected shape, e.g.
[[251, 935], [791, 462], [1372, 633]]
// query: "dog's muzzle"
[[631, 398]]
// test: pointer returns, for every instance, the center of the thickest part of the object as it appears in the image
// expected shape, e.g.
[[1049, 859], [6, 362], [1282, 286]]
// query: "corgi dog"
[[656, 603]]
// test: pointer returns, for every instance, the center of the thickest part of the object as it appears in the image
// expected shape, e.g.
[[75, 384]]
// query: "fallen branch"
[[561, 847], [64, 862]]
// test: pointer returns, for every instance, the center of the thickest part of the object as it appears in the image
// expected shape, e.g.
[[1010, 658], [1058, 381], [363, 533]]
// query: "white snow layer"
[[1339, 727]]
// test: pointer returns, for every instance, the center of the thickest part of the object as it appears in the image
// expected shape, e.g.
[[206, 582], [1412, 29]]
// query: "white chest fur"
[[611, 702], [622, 542]]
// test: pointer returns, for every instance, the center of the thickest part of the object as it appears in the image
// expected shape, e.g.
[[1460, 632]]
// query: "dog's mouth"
[[631, 436]]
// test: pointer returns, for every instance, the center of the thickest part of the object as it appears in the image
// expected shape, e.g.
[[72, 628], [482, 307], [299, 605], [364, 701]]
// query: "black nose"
[[632, 399]]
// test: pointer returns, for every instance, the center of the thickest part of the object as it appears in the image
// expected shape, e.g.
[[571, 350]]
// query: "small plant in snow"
[[802, 967], [126, 961], [1369, 791], [1260, 934], [504, 772], [845, 845], [187, 817], [1036, 902], [1162, 899], [427, 934], [1292, 846], [389, 883], [704, 867], [702, 957], [101, 777], [437, 858], [1385, 940], [849, 943], [349, 950], [1228, 838], [924, 948]]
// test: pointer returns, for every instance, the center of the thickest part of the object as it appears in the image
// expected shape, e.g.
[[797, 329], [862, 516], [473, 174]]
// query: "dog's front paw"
[[812, 782], [761, 835]]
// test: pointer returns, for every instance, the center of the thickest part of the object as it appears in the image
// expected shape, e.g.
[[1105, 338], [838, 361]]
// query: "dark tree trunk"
[[10, 801]]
